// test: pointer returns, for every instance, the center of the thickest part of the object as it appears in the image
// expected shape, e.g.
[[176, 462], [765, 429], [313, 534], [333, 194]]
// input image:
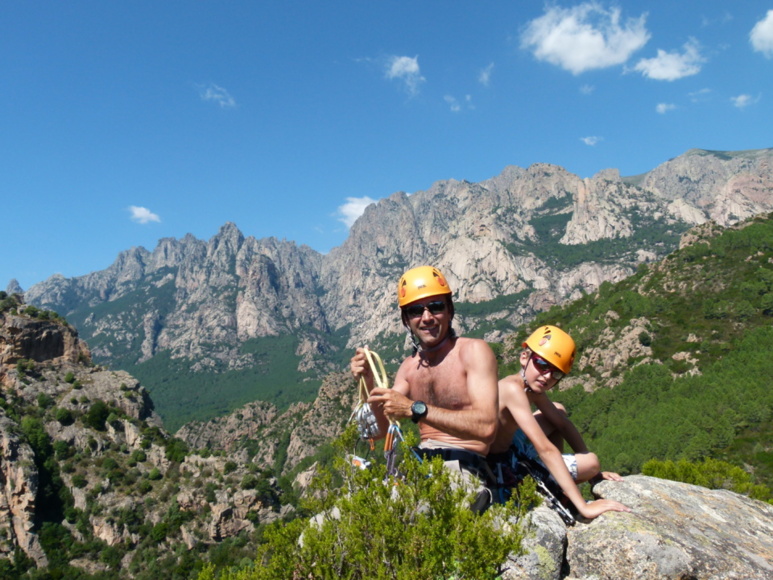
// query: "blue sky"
[[125, 122]]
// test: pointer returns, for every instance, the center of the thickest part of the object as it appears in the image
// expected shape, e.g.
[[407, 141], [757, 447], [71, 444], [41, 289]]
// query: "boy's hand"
[[611, 476], [605, 476], [596, 508]]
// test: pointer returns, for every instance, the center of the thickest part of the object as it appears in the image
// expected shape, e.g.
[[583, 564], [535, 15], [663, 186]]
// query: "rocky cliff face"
[[84, 456], [527, 238]]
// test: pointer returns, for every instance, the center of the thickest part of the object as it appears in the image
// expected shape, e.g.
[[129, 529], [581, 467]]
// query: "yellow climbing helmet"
[[419, 283], [554, 345]]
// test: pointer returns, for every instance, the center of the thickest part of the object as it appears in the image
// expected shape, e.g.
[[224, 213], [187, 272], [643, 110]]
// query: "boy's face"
[[539, 374]]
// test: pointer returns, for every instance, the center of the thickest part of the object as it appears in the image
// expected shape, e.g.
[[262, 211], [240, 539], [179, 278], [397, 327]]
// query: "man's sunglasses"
[[544, 367], [434, 307]]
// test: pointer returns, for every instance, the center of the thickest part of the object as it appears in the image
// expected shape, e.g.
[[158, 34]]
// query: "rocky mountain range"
[[511, 246]]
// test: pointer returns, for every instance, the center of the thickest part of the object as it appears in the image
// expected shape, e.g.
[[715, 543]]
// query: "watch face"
[[419, 408]]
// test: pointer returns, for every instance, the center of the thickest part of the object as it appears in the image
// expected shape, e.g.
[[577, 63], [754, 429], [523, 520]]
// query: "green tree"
[[97, 415]]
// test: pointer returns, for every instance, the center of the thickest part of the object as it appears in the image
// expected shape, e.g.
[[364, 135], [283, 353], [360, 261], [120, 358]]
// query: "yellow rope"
[[379, 377]]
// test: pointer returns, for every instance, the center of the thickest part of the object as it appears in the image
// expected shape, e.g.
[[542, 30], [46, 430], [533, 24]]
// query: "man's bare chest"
[[443, 385]]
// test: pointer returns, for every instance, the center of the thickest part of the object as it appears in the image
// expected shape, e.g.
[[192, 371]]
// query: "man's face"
[[428, 319], [539, 374]]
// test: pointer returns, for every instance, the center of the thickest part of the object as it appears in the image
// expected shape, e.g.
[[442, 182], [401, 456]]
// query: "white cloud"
[[484, 77], [352, 209], [743, 101], [700, 95], [218, 95], [761, 36], [584, 37], [670, 66], [405, 69], [664, 108], [452, 103], [592, 140], [587, 89], [142, 215]]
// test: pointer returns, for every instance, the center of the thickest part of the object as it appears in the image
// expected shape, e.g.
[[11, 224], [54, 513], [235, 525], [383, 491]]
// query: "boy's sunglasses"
[[434, 307], [544, 367]]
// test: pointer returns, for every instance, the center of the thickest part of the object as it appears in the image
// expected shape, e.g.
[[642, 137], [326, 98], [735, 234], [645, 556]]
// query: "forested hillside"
[[696, 381]]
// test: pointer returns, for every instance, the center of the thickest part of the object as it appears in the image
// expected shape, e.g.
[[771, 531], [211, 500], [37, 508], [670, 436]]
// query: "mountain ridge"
[[521, 242]]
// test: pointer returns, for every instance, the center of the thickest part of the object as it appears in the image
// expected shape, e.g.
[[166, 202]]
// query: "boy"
[[547, 357]]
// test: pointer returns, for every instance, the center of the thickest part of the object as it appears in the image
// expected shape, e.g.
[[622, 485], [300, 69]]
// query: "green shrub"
[[64, 416], [97, 415], [380, 533], [710, 473], [44, 401]]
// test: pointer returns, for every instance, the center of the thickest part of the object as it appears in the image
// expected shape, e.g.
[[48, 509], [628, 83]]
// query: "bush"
[[381, 534], [64, 416], [44, 401], [710, 473], [97, 415]]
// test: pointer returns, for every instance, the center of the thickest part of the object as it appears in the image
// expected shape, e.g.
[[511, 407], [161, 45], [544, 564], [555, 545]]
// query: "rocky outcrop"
[[725, 186], [27, 338], [83, 451], [18, 495], [675, 530]]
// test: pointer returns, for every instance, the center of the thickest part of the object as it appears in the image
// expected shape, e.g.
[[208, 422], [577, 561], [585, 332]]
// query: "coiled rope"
[[366, 420]]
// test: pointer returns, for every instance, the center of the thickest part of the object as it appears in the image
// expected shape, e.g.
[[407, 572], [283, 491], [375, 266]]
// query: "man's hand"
[[394, 404], [596, 508], [359, 364]]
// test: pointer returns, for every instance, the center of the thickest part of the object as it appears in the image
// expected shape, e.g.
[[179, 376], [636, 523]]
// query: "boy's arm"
[[518, 404], [561, 422]]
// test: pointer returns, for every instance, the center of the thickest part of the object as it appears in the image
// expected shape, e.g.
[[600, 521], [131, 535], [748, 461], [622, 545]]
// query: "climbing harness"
[[510, 468], [367, 425]]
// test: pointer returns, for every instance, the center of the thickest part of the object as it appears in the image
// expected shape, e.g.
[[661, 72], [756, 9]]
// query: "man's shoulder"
[[465, 344]]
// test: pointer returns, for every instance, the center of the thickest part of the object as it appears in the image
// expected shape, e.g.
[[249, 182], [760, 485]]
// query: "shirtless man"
[[448, 385], [547, 357]]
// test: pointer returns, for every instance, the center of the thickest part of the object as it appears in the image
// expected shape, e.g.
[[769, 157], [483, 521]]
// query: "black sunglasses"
[[543, 367], [434, 307]]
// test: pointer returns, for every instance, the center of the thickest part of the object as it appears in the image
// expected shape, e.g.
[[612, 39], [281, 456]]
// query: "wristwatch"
[[418, 411]]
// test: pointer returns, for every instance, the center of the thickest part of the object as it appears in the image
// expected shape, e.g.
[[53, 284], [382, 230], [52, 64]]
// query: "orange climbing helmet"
[[419, 283], [554, 345]]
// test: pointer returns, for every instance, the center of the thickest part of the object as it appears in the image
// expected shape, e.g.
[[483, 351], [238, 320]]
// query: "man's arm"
[[518, 404], [479, 421]]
